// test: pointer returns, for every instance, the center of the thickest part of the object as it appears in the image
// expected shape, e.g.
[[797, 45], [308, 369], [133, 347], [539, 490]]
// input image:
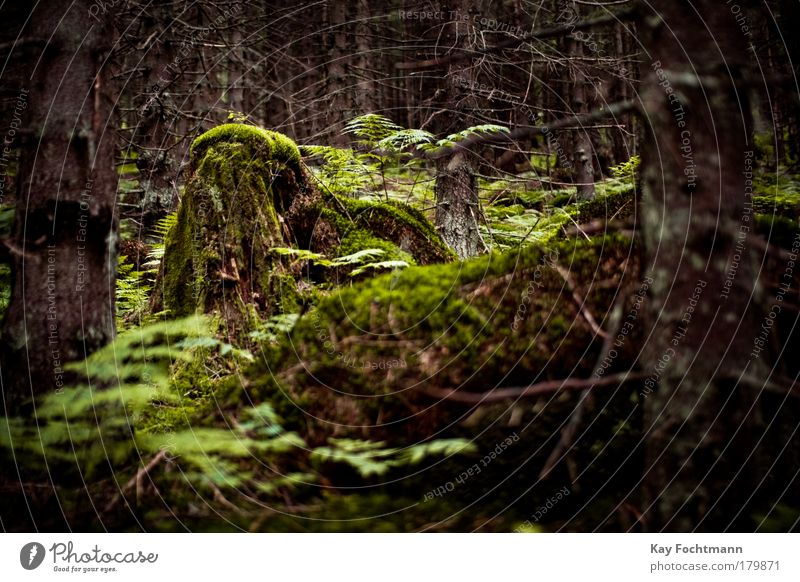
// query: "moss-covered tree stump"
[[246, 194], [217, 257]]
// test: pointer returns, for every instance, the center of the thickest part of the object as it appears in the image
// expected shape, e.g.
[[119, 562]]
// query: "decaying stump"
[[248, 193]]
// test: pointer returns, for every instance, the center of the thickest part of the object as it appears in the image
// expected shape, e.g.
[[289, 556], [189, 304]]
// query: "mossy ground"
[[356, 363], [361, 360]]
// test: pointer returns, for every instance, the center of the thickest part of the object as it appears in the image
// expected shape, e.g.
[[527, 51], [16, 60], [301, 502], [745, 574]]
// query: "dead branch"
[[538, 34], [532, 390]]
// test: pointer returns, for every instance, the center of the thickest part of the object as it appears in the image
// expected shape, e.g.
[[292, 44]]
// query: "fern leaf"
[[371, 128], [357, 257], [475, 130], [378, 266], [404, 138]]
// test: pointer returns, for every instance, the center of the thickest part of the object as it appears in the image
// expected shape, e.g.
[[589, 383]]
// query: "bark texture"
[[64, 236], [457, 206], [583, 152], [696, 215]]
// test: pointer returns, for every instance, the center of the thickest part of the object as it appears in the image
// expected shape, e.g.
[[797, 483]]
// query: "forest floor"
[[201, 433]]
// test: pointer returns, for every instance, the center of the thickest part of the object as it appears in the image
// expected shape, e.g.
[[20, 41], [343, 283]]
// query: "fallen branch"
[[575, 420], [598, 226], [781, 386], [533, 390], [580, 302]]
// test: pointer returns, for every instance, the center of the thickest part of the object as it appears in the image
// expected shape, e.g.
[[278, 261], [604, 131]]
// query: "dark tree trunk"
[[620, 91], [365, 95], [155, 162], [696, 217], [237, 69], [337, 92], [64, 264], [583, 152]]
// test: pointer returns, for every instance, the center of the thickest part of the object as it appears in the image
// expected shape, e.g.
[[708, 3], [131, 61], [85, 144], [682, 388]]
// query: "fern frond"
[[373, 458], [371, 128], [301, 255], [132, 290], [160, 230], [357, 257], [379, 266], [401, 139], [475, 130]]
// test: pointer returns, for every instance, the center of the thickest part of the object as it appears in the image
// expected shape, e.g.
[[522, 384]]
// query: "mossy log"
[[376, 360], [248, 193]]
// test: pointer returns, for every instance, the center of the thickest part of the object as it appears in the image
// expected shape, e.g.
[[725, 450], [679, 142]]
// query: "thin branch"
[[538, 34], [782, 386], [575, 420], [612, 110], [580, 301], [137, 480], [533, 390]]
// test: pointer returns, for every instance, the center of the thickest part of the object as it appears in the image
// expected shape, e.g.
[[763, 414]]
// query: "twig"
[[577, 226], [783, 386], [530, 131], [8, 248], [540, 33], [137, 479], [580, 302], [598, 226], [576, 417], [219, 497]]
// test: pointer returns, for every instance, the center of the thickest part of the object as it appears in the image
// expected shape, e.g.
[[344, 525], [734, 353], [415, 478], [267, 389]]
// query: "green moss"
[[785, 204], [356, 240], [395, 222], [5, 288], [273, 145], [562, 199], [614, 202], [451, 325], [217, 256]]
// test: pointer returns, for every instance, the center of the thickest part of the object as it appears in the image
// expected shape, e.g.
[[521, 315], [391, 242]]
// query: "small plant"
[[160, 231], [113, 421], [134, 286], [627, 170], [374, 458], [380, 144], [356, 258], [274, 328], [344, 171], [133, 292]]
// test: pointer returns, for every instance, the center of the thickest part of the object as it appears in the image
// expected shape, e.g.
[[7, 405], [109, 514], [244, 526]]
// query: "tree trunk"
[[337, 90], [457, 206], [64, 236], [583, 167], [366, 96], [152, 123], [237, 71], [696, 216]]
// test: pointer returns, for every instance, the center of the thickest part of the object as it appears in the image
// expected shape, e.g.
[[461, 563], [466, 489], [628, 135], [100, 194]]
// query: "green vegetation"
[[270, 144], [316, 387]]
